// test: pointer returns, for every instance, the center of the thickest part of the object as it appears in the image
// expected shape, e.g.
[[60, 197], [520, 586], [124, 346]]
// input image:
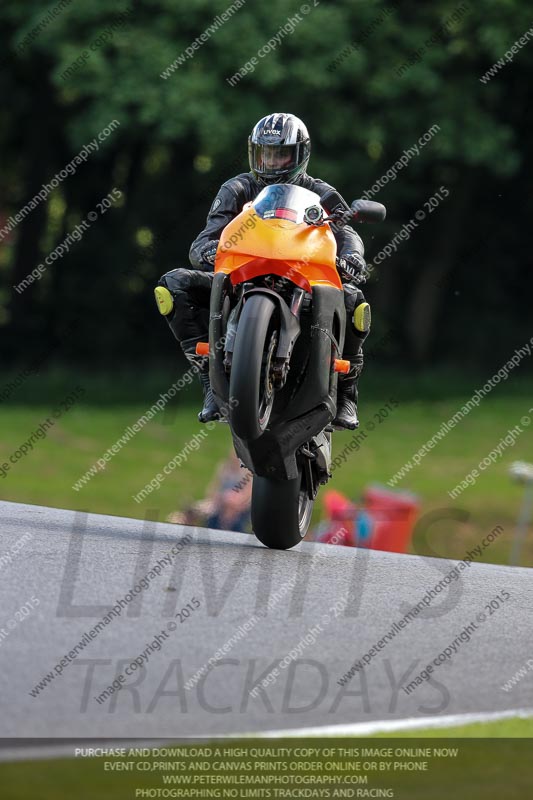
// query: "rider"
[[279, 148]]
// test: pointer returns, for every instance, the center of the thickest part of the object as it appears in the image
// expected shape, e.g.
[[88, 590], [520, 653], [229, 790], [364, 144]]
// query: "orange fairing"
[[251, 246]]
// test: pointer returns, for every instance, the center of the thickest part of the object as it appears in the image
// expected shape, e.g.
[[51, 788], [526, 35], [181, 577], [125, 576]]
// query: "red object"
[[393, 515], [383, 521], [202, 348], [337, 505], [340, 532], [341, 512]]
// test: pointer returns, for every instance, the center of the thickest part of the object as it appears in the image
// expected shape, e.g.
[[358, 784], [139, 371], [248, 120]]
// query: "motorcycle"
[[276, 334]]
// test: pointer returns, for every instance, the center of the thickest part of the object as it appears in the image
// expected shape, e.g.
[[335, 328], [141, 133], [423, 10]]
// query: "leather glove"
[[352, 267], [209, 252]]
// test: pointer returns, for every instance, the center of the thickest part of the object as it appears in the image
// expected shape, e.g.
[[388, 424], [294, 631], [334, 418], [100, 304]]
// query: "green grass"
[[513, 728], [46, 475]]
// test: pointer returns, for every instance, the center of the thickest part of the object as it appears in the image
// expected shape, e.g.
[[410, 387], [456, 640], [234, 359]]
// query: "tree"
[[369, 79]]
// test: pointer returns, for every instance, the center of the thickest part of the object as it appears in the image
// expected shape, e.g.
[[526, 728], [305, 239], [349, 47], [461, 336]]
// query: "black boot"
[[210, 410], [183, 299], [356, 331], [346, 417]]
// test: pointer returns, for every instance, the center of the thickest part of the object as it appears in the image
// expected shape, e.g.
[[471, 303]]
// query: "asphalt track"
[[77, 565]]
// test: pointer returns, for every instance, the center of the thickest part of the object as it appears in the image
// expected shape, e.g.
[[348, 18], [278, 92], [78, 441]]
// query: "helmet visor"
[[270, 160]]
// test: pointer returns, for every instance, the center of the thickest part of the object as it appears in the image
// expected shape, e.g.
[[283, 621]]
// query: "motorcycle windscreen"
[[284, 201]]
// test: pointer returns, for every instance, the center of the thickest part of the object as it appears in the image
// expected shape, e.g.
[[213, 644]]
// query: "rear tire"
[[281, 511], [251, 390]]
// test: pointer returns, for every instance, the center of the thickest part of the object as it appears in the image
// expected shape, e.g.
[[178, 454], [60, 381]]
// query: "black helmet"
[[279, 149]]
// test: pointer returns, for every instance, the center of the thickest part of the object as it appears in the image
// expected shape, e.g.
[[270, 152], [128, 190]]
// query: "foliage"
[[180, 137]]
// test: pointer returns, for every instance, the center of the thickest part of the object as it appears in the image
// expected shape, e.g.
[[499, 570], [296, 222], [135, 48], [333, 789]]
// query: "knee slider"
[[170, 285], [362, 318], [164, 300]]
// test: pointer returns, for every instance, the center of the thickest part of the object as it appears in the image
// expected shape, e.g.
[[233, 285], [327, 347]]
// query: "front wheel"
[[281, 511], [251, 386]]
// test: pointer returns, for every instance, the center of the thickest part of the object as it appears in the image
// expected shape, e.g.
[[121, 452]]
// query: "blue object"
[[363, 528]]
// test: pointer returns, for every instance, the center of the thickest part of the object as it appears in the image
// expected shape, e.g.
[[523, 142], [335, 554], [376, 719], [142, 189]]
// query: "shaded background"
[[369, 79]]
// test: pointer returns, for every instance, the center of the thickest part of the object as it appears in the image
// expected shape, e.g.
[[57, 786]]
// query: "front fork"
[[311, 407], [289, 329]]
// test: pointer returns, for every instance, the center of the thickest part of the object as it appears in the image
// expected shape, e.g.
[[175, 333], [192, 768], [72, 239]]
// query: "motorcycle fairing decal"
[[286, 213]]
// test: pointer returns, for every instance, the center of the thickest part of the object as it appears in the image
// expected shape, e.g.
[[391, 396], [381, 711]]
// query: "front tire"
[[281, 511], [251, 389]]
